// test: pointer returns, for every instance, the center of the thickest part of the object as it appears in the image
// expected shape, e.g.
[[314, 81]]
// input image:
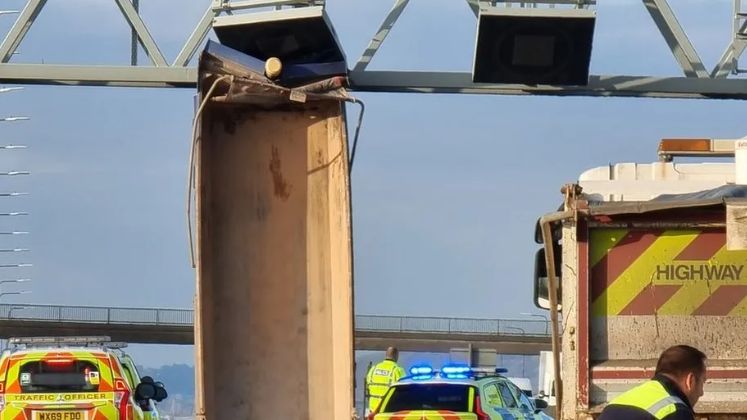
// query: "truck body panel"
[[638, 279], [274, 325], [652, 288]]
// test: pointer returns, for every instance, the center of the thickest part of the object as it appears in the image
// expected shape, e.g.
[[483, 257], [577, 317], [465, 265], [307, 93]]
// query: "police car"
[[457, 393], [73, 378]]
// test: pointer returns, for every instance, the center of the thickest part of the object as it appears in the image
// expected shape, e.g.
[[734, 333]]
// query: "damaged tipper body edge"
[[274, 323], [646, 256]]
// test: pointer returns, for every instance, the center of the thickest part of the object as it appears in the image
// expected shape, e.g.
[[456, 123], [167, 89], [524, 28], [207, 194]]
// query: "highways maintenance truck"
[[642, 257]]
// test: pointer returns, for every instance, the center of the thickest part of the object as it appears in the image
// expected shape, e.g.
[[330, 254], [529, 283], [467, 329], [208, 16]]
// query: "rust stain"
[[281, 187]]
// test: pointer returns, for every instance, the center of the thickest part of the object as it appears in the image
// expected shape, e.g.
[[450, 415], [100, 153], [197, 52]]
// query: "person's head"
[[392, 353], [684, 365]]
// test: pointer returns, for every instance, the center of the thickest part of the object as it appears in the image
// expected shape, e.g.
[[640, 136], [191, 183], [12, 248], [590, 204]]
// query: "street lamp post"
[[14, 281], [544, 317], [22, 292], [12, 173]]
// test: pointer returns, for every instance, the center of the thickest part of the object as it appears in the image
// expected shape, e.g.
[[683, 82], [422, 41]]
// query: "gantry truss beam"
[[696, 81]]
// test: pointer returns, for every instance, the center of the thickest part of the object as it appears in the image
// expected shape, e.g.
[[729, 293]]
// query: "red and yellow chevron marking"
[[4, 368], [101, 359], [666, 272], [100, 409], [98, 405]]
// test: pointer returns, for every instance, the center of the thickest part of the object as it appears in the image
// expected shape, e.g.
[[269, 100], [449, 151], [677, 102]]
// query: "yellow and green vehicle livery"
[[69, 383], [457, 393]]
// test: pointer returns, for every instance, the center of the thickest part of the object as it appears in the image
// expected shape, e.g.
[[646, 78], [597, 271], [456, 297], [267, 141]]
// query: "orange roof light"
[[669, 148]]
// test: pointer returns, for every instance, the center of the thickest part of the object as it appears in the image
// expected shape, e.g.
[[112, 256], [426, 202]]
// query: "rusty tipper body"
[[648, 256]]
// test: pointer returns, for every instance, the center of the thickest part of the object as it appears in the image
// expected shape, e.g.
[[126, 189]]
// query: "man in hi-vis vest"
[[670, 395], [380, 376]]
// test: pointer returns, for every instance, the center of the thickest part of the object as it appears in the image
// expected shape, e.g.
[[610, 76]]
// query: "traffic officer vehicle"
[[72, 378], [457, 393]]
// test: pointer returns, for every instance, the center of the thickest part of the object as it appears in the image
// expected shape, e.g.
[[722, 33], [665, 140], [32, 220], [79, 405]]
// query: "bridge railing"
[[185, 317], [529, 327], [96, 314]]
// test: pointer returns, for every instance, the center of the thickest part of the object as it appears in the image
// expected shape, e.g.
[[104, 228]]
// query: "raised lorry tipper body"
[[273, 250], [646, 256]]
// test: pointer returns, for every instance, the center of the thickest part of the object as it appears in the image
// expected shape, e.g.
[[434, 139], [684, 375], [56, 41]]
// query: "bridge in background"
[[372, 332]]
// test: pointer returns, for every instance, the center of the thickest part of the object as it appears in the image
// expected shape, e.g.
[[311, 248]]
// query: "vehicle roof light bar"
[[669, 148], [115, 345], [489, 370], [86, 341]]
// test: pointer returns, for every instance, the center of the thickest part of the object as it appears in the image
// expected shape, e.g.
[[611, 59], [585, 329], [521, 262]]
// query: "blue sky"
[[446, 188]]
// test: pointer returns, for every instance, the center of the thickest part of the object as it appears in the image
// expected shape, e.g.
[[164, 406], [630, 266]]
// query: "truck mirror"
[[540, 404], [541, 282]]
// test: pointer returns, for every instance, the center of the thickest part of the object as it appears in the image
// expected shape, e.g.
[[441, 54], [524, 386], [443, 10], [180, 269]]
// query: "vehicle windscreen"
[[451, 397], [59, 375]]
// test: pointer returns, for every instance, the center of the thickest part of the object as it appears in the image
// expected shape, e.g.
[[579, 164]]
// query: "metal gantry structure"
[[696, 80]]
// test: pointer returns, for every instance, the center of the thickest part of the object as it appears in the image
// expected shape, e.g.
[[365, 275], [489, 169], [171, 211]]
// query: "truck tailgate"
[[653, 288]]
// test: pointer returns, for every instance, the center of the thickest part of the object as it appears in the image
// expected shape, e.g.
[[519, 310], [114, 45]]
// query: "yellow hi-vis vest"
[[378, 379], [650, 396]]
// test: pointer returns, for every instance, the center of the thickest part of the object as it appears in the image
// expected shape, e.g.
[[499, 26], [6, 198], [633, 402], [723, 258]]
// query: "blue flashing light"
[[421, 370], [501, 370], [456, 370], [456, 376], [421, 377]]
